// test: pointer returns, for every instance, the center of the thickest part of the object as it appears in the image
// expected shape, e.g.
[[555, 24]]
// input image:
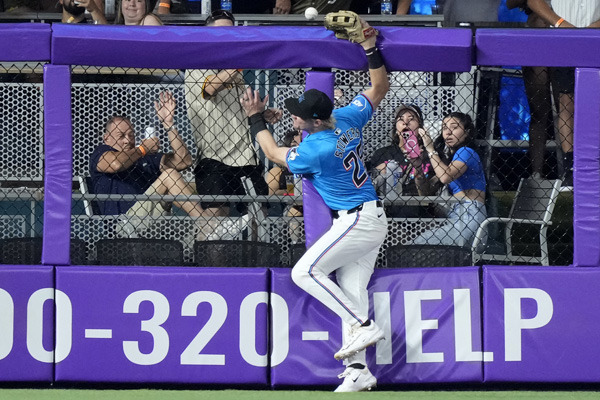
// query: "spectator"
[[237, 6], [566, 14], [73, 12], [403, 7], [417, 176], [253, 7], [225, 150], [118, 167], [456, 11], [299, 6], [136, 12], [22, 6], [458, 165], [278, 178], [537, 82]]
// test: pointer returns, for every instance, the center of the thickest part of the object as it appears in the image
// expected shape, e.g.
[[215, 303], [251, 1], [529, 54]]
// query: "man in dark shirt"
[[119, 167]]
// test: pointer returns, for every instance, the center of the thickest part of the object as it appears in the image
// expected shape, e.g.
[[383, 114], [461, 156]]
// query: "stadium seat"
[[296, 252], [79, 252], [533, 204], [21, 250], [137, 251], [90, 206], [29, 251], [236, 253], [425, 255]]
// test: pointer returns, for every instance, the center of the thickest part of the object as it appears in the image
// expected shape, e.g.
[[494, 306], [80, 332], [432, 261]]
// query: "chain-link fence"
[[21, 162], [217, 185]]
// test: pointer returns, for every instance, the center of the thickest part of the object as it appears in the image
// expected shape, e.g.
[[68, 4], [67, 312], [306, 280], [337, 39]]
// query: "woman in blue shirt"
[[457, 164]]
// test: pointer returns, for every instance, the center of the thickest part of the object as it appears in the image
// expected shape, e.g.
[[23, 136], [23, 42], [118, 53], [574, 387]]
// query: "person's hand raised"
[[165, 107], [251, 102]]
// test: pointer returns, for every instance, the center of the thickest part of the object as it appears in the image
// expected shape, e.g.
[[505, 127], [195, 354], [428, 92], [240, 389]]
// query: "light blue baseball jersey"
[[332, 159]]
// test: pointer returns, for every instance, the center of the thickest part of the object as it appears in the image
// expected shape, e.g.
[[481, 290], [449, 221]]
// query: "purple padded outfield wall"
[[153, 324], [58, 168], [442, 342], [27, 323], [538, 47], [25, 42], [248, 47], [586, 219], [542, 323]]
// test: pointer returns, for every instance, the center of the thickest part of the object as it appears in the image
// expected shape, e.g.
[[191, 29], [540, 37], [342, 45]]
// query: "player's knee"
[[300, 275]]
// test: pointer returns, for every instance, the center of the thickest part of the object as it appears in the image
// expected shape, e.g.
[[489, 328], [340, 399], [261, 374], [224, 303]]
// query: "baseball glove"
[[346, 25]]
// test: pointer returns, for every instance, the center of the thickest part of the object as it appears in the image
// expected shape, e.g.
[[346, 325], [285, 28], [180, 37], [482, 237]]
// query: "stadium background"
[[58, 221]]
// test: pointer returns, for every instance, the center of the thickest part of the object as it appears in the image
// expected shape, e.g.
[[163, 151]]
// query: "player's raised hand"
[[370, 35], [348, 25]]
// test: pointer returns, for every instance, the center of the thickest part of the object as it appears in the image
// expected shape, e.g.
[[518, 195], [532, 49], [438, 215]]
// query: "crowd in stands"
[[453, 10]]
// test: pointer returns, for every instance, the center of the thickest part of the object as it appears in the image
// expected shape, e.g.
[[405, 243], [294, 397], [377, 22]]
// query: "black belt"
[[359, 207]]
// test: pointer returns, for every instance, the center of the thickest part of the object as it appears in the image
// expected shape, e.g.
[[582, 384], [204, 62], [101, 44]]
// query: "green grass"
[[152, 394]]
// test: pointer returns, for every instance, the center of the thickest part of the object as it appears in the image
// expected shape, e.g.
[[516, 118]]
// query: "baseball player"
[[331, 158]]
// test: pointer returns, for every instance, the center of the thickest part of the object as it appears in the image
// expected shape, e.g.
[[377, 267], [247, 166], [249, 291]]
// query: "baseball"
[[311, 13]]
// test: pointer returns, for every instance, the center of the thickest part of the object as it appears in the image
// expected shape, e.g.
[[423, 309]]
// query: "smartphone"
[[411, 144]]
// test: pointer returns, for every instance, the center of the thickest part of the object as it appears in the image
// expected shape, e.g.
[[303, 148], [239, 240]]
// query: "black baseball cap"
[[312, 104]]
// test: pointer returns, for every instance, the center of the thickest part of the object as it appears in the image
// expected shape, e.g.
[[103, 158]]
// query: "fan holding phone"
[[411, 144], [416, 176]]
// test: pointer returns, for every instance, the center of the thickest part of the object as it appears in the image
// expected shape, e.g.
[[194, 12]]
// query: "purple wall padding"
[[317, 216], [162, 324], [538, 47], [286, 47], [26, 317], [25, 42], [58, 170], [549, 319], [586, 218], [449, 353]]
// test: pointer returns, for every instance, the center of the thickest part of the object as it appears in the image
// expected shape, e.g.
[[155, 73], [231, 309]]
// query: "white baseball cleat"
[[360, 337], [356, 380]]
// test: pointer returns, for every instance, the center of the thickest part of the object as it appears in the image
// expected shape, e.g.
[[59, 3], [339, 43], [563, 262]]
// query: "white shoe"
[[356, 380], [360, 338]]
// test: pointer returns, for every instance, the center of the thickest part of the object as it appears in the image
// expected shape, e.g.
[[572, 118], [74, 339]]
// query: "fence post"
[[58, 170]]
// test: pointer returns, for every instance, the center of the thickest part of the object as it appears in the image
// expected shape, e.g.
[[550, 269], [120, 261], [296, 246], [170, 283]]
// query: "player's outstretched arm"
[[253, 107], [347, 25], [380, 83]]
